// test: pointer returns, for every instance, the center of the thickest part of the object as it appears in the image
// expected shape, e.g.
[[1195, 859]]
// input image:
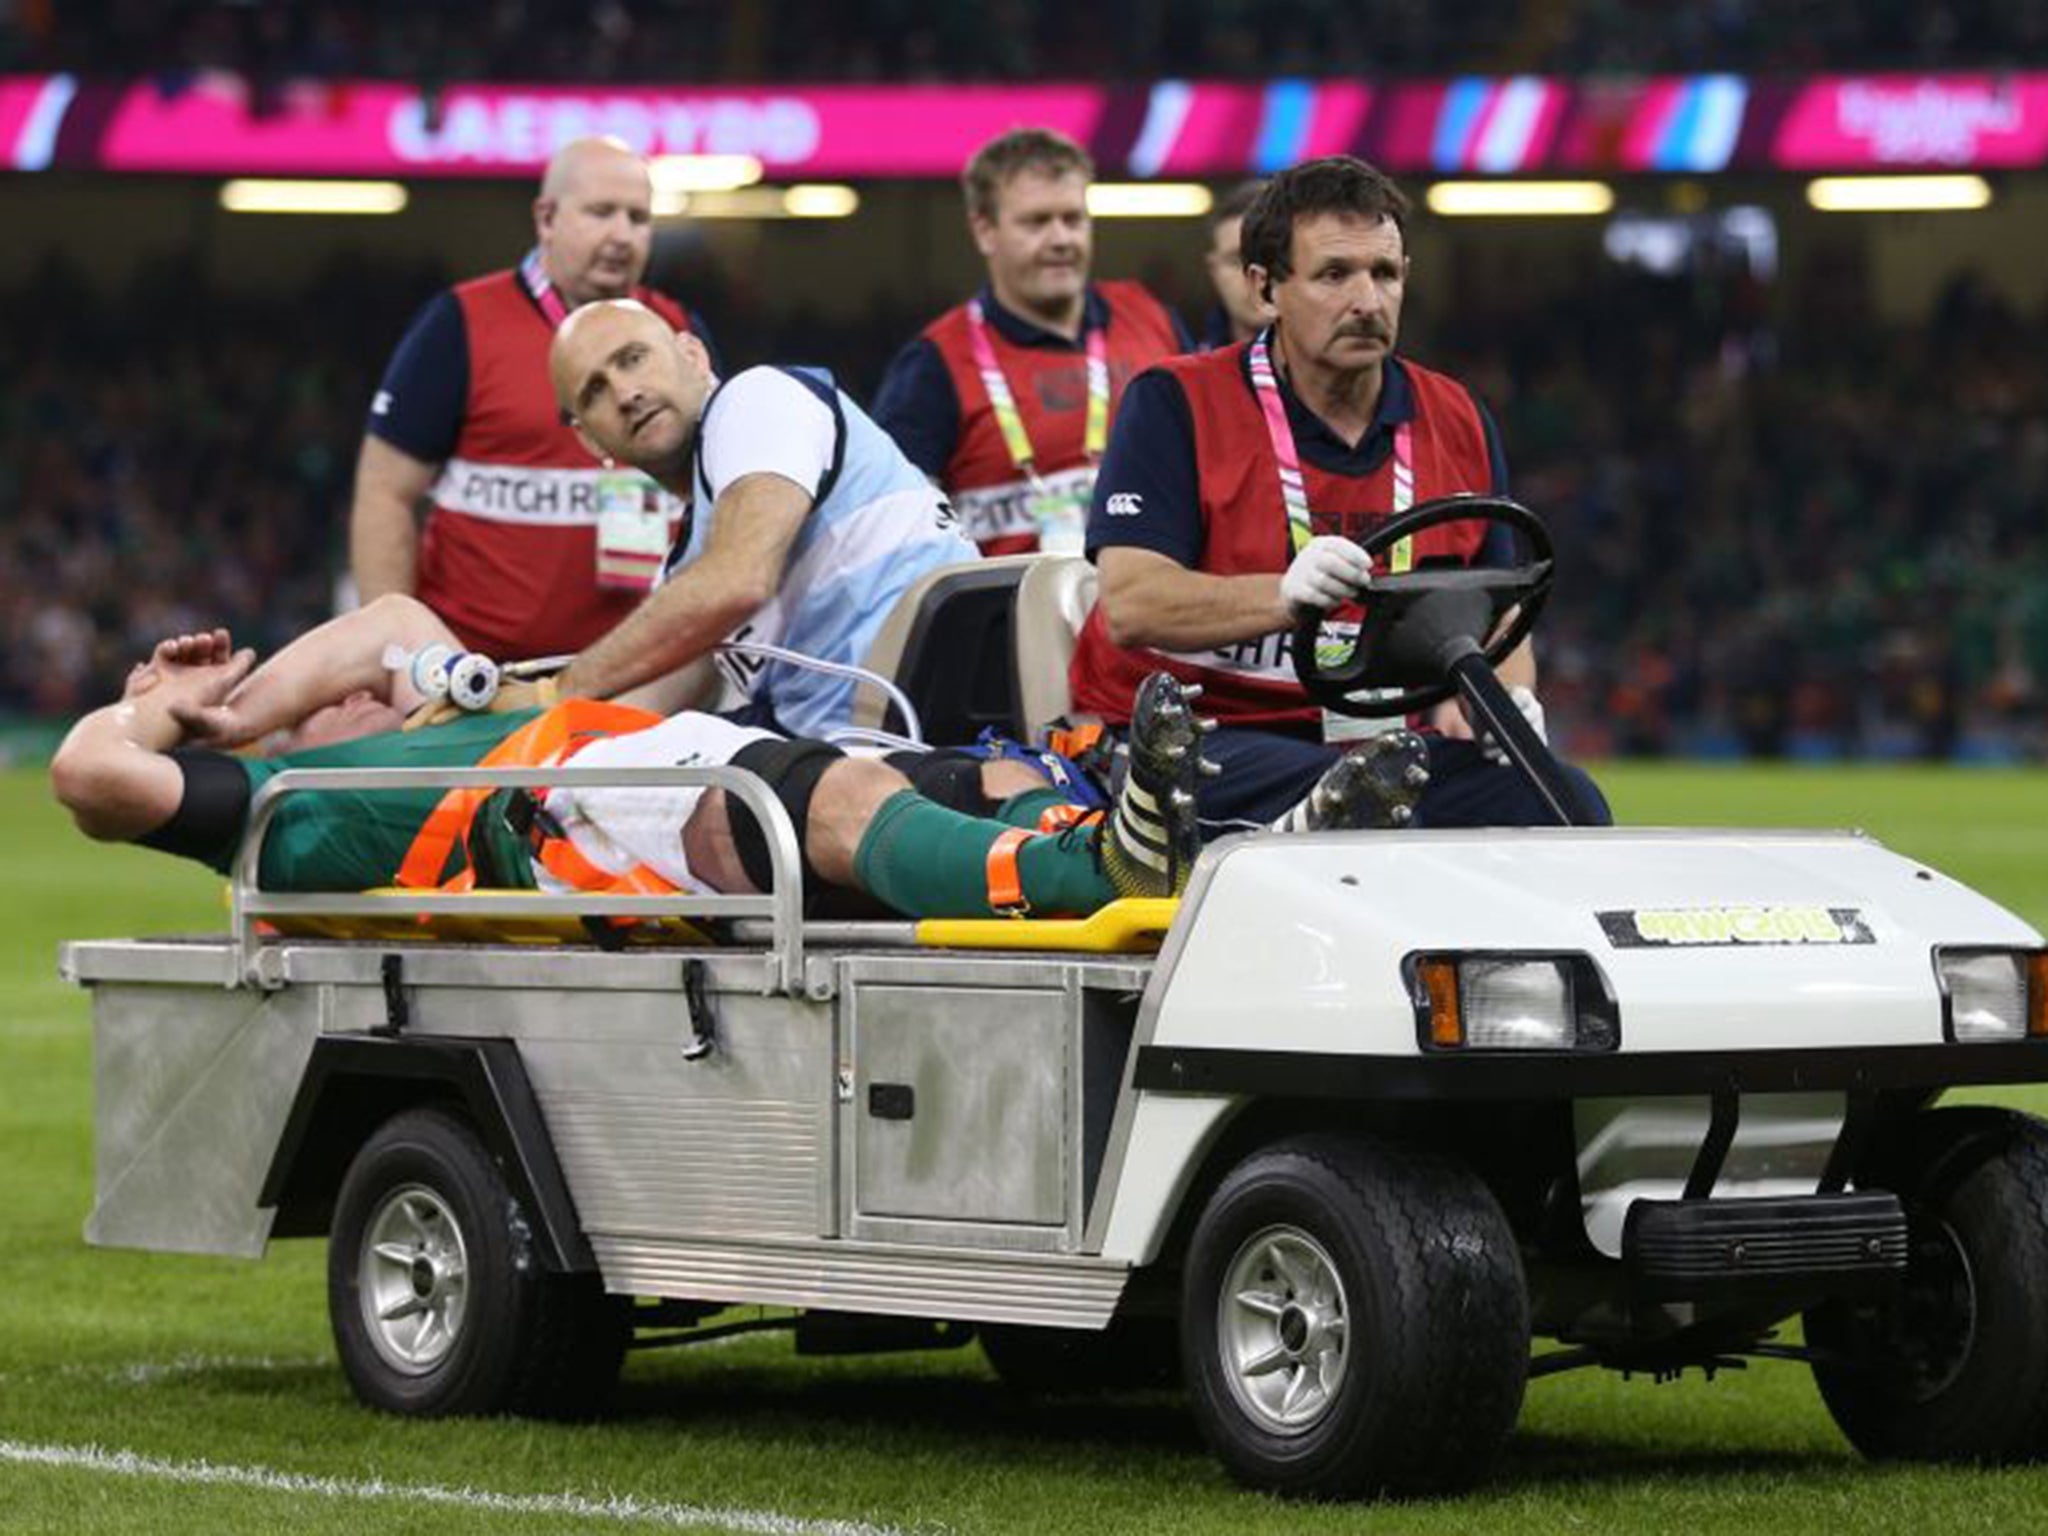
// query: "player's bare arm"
[[383, 534], [111, 772], [755, 524]]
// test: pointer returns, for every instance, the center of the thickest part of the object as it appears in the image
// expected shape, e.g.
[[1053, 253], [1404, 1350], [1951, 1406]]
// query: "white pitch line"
[[624, 1509], [142, 1373]]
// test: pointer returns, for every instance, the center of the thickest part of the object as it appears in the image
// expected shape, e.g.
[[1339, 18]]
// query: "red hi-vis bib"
[[1059, 514], [1033, 460], [1249, 525], [543, 742], [509, 556]]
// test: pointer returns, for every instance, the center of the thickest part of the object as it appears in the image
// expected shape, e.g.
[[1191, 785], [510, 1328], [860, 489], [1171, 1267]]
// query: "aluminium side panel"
[[191, 1086]]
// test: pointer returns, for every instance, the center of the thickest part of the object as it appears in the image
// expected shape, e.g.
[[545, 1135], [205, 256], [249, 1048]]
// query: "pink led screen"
[[217, 125], [1927, 121]]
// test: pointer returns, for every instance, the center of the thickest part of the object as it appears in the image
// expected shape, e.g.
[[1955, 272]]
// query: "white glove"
[[1328, 571], [1532, 711]]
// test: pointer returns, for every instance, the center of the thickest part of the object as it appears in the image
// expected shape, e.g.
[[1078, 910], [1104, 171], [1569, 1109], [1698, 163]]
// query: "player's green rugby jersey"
[[352, 840]]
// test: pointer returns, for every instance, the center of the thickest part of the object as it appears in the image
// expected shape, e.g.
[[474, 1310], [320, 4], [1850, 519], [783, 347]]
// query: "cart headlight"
[[1507, 1002], [1993, 994]]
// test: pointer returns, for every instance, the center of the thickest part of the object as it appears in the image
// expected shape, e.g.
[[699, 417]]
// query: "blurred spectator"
[[1239, 313], [1778, 544], [170, 464]]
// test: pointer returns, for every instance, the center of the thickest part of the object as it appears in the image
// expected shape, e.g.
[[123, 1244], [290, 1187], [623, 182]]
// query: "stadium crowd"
[[1817, 540], [697, 41], [1772, 545]]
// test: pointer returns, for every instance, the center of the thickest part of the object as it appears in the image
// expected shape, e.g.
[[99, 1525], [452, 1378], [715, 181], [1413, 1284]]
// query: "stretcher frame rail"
[[781, 906]]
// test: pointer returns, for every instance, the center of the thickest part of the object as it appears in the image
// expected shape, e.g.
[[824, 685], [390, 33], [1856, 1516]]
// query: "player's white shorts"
[[618, 828]]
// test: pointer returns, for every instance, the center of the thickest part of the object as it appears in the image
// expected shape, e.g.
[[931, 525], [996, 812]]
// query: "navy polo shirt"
[[1151, 454], [916, 403], [419, 402]]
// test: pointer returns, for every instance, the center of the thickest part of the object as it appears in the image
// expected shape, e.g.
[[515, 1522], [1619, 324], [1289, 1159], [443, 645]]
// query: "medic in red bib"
[[1007, 400], [530, 546], [1237, 484]]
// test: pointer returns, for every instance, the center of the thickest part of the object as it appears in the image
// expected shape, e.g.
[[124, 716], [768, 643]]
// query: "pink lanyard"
[[1095, 436], [1293, 489], [535, 277]]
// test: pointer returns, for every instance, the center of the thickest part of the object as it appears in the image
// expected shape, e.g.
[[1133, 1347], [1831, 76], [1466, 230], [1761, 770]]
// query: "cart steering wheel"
[[1399, 652]]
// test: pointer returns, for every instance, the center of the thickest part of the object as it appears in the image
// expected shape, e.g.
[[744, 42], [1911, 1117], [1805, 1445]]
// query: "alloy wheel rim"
[[1283, 1330], [413, 1279]]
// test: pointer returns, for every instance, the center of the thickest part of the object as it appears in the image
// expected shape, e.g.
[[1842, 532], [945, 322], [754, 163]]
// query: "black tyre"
[[1131, 1355], [1354, 1320], [1954, 1366], [438, 1302]]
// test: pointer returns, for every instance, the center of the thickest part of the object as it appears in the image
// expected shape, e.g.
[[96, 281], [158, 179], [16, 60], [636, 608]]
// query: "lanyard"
[[1293, 490], [543, 293], [1095, 436]]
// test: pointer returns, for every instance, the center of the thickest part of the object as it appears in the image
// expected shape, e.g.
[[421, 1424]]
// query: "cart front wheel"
[[1354, 1320], [1953, 1366]]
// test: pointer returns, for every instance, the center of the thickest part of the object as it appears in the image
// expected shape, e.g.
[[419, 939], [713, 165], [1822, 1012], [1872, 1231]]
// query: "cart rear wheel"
[[1354, 1320], [439, 1304]]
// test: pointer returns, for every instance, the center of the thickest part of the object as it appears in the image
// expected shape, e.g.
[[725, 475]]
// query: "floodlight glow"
[[1519, 199], [820, 200], [805, 200], [248, 195], [1149, 200], [702, 173], [736, 203], [1898, 194]]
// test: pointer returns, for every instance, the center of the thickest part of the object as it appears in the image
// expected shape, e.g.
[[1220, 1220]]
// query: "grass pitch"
[[216, 1381]]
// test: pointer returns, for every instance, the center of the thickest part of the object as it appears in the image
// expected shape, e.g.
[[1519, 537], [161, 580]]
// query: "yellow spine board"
[[1119, 928]]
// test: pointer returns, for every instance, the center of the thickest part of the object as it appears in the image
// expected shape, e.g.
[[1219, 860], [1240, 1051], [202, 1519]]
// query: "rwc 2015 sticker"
[[1708, 927]]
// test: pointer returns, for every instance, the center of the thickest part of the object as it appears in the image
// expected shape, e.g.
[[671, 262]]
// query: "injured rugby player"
[[155, 768]]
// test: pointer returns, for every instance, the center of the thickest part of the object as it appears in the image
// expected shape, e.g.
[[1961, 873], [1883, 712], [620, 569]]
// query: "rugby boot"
[[1150, 840], [1375, 784]]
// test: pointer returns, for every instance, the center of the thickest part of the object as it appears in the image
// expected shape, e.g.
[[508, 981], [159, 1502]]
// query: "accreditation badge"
[[1334, 643], [1341, 728], [632, 532], [1061, 518]]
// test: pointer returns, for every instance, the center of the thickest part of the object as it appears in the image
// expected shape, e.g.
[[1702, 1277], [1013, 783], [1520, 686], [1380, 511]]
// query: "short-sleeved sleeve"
[[917, 406], [1146, 493], [764, 421], [420, 400]]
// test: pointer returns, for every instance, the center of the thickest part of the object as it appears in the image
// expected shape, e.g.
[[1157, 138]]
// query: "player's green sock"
[[1025, 807], [927, 861]]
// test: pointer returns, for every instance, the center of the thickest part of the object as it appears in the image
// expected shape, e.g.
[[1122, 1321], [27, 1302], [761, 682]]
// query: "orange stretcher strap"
[[1073, 740], [550, 738], [1058, 818], [1005, 884]]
